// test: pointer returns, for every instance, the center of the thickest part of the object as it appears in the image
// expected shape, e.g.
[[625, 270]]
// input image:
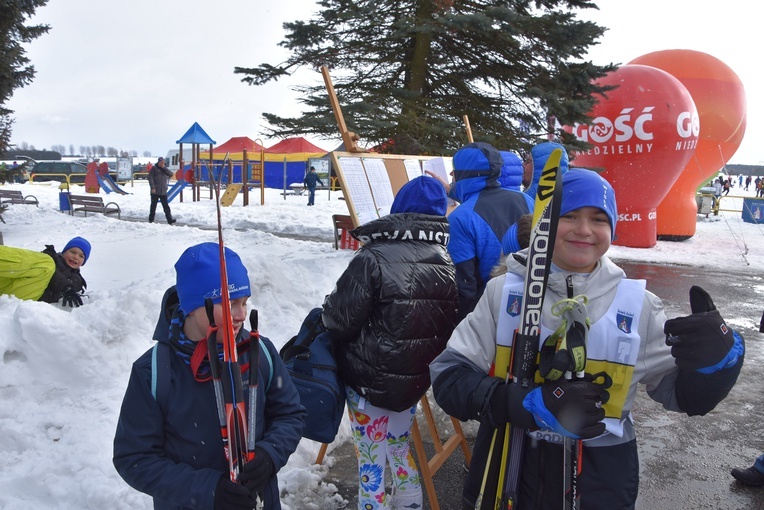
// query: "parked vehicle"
[[58, 171]]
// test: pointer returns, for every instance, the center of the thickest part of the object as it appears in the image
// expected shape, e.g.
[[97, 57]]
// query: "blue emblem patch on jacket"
[[624, 320], [514, 304]]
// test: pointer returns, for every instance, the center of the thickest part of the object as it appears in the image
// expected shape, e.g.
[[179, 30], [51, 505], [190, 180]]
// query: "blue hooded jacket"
[[511, 171], [175, 455], [477, 225]]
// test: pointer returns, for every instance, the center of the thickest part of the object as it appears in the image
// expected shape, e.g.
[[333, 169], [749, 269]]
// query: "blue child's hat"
[[586, 188], [198, 276], [82, 244], [423, 195]]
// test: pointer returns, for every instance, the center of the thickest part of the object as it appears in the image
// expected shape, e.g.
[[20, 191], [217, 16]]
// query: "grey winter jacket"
[[158, 179]]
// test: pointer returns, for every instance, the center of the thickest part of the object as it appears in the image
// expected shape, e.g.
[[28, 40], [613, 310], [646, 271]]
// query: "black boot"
[[749, 476], [171, 221]]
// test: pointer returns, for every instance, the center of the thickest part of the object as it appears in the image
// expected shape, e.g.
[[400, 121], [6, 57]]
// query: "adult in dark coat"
[[390, 314], [159, 176], [311, 179]]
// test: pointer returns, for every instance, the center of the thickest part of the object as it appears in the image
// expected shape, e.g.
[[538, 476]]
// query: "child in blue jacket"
[[171, 448]]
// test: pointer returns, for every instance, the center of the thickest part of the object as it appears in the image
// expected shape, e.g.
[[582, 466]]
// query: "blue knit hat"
[[82, 244], [477, 160], [586, 188], [198, 276], [423, 195]]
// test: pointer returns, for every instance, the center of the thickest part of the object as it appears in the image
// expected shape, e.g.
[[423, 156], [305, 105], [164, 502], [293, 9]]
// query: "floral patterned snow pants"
[[382, 436]]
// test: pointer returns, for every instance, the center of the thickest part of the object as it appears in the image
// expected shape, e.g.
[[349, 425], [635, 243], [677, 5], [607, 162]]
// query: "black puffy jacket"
[[393, 309], [64, 277]]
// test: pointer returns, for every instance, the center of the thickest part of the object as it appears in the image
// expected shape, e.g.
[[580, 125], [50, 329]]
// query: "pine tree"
[[407, 71], [15, 68]]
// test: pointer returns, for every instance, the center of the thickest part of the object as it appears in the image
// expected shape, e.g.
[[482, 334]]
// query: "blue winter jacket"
[[511, 171], [176, 454], [477, 225], [311, 179]]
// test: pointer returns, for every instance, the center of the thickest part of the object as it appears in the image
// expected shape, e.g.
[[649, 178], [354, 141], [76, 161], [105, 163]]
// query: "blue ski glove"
[[232, 496], [255, 473], [571, 408], [71, 298], [702, 341]]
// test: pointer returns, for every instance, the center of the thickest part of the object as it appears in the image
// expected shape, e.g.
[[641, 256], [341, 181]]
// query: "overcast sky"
[[137, 75]]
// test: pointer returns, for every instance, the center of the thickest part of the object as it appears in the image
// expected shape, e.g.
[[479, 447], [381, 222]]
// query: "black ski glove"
[[232, 496], [506, 406], [570, 408], [255, 473], [71, 298], [700, 340]]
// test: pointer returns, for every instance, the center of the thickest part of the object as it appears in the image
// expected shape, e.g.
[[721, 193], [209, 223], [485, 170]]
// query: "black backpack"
[[309, 358]]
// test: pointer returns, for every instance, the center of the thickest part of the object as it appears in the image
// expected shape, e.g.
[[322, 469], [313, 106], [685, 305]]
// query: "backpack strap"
[[160, 374], [270, 365]]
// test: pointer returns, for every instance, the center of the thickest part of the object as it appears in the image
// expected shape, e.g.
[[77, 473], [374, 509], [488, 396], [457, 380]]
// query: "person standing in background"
[[310, 181], [159, 176]]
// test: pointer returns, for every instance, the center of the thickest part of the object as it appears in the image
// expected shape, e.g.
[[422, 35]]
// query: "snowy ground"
[[64, 372]]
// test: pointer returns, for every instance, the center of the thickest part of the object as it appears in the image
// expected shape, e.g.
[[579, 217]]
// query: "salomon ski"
[[516, 354]]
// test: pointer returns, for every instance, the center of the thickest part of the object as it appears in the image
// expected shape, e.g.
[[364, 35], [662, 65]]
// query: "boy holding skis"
[[688, 364], [168, 442]]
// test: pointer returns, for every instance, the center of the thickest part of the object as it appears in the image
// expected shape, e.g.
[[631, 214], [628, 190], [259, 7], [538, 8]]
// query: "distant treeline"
[[41, 155], [744, 169]]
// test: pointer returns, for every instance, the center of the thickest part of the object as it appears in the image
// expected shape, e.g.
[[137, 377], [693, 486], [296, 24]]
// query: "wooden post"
[[469, 129], [245, 177], [348, 137]]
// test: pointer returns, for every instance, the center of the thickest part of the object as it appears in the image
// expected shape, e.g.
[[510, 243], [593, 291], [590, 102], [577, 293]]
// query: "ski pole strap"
[[565, 349]]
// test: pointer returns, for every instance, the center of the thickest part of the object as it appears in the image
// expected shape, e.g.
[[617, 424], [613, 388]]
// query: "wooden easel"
[[428, 467], [348, 137]]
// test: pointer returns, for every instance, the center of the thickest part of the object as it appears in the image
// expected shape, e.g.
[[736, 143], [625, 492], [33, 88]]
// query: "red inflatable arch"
[[642, 135], [720, 99]]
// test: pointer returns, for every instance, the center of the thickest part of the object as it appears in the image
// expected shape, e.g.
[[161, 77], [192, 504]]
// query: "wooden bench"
[[8, 196], [92, 203]]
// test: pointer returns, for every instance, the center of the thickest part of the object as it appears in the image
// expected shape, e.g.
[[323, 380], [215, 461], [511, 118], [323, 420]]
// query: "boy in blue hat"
[[690, 372], [168, 442], [46, 276]]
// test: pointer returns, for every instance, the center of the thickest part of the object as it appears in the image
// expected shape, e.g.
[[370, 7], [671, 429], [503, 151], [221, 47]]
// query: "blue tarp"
[[274, 173]]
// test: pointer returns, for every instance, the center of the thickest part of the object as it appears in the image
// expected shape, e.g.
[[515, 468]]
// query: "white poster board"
[[413, 168], [358, 188], [442, 167], [124, 169], [379, 181]]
